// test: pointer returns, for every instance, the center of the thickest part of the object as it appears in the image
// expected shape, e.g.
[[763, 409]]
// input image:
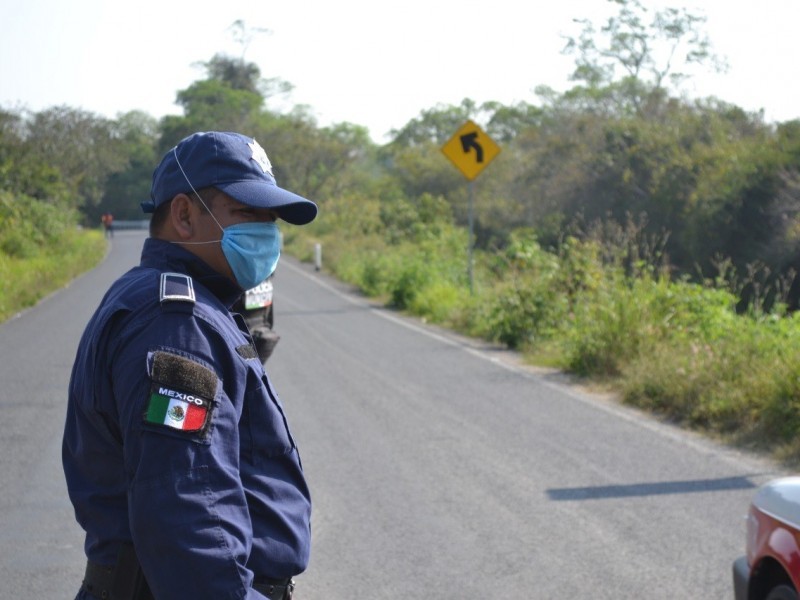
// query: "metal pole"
[[471, 188]]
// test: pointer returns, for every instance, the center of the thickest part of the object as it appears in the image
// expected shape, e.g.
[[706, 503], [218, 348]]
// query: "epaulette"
[[176, 287]]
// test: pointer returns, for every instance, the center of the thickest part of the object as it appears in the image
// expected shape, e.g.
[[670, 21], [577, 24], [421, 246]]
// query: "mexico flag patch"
[[176, 409], [181, 393]]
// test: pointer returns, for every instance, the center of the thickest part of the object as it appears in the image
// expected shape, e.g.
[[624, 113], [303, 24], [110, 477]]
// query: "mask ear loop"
[[199, 197]]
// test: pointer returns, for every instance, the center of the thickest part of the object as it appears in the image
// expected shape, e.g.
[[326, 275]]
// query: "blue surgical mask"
[[252, 250]]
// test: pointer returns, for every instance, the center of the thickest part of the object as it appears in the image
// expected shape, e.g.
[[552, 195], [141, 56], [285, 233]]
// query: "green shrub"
[[740, 379], [438, 301], [41, 249], [26, 280], [28, 225], [17, 243]]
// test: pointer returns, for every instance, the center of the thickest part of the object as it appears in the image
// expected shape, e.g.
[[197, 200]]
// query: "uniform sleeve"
[[188, 513]]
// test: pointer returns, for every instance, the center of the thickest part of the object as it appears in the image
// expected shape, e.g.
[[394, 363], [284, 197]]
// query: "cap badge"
[[260, 157]]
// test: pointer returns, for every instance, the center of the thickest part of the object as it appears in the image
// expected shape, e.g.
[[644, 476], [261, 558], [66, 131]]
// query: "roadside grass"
[[26, 279], [741, 383], [603, 312]]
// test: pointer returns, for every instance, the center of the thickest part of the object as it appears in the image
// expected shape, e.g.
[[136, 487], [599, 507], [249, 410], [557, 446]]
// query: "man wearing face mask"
[[177, 454]]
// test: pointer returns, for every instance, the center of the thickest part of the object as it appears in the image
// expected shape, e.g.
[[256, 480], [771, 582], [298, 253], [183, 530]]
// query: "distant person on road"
[[108, 224], [177, 453]]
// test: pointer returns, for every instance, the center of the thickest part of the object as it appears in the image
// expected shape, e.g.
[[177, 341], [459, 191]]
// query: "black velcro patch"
[[247, 351], [183, 373]]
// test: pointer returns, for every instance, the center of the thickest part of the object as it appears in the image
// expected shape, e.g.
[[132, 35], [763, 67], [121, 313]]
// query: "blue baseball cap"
[[231, 162]]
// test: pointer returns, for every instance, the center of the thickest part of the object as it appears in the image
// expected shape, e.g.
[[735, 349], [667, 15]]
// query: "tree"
[[23, 171], [80, 145], [232, 98], [435, 125], [235, 73], [210, 105], [649, 52], [305, 158], [126, 189], [507, 122], [310, 160]]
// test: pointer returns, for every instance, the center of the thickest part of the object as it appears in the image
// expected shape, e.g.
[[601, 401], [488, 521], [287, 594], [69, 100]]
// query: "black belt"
[[99, 581], [275, 589], [115, 582]]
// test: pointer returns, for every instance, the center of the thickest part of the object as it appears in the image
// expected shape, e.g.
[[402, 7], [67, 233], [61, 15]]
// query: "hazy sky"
[[372, 63]]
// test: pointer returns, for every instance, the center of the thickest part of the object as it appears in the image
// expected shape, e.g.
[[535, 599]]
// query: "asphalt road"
[[439, 467]]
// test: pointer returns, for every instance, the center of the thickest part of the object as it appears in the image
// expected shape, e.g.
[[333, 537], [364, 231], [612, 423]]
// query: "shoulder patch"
[[176, 287], [181, 393], [246, 351]]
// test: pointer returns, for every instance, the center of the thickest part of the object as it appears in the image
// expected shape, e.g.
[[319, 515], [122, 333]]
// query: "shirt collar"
[[166, 256]]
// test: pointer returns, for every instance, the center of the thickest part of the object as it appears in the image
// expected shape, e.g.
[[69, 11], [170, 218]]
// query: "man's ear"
[[182, 215]]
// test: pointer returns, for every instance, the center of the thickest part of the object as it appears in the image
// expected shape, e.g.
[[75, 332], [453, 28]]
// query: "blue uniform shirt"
[[175, 439]]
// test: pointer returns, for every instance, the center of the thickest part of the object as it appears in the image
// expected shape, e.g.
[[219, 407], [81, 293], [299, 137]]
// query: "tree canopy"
[[714, 181]]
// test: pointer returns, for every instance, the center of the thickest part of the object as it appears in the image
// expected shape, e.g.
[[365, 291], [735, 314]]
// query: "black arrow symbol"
[[469, 140]]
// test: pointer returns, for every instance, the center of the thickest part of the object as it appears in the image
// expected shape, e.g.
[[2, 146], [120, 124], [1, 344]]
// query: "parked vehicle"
[[255, 306], [770, 570]]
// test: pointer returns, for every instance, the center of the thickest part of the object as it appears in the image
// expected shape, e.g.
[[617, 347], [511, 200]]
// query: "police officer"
[[177, 454]]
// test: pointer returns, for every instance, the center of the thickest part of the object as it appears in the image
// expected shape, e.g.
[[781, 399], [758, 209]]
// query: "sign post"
[[470, 150]]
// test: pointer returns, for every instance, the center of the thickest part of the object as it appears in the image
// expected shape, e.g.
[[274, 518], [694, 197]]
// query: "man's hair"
[[161, 214]]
